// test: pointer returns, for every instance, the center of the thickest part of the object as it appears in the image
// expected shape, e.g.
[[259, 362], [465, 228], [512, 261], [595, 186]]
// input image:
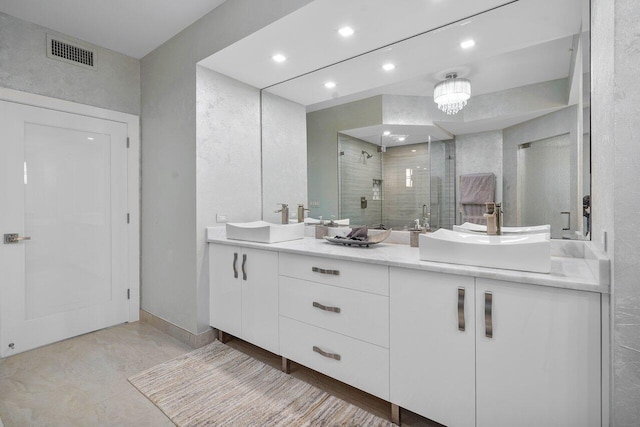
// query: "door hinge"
[[128, 293], [128, 218], [127, 142]]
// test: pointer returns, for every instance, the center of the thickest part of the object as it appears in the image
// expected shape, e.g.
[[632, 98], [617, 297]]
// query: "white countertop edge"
[[566, 273]]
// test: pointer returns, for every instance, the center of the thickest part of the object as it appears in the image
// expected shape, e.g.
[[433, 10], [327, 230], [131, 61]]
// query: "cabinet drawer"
[[360, 315], [348, 274], [362, 365]]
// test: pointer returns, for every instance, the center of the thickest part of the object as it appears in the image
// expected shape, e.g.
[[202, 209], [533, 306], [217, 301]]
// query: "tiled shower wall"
[[409, 187], [405, 185], [357, 178]]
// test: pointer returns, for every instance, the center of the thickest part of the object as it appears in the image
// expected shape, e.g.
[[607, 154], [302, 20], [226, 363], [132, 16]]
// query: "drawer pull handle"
[[323, 271], [325, 354], [326, 308], [235, 262], [488, 314], [244, 261], [461, 309]]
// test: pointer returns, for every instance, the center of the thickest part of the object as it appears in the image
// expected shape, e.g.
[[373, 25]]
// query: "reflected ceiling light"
[[388, 67], [468, 44], [386, 133], [413, 151], [329, 85], [452, 94], [278, 57], [401, 139], [90, 138], [346, 31]]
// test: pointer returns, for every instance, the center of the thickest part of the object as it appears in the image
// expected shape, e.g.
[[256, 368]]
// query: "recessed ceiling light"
[[90, 138], [386, 133], [402, 138], [329, 85], [467, 44], [346, 31], [278, 57], [388, 67]]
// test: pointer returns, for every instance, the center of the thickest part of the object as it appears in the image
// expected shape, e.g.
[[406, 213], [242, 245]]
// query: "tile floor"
[[83, 381]]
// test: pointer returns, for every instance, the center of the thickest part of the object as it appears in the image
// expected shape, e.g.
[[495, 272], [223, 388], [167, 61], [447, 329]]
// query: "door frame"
[[133, 170]]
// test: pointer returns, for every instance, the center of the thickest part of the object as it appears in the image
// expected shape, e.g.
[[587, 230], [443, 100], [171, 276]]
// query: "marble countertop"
[[566, 272]]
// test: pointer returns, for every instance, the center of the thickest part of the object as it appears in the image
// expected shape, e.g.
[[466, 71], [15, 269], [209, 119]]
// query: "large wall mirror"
[[380, 151]]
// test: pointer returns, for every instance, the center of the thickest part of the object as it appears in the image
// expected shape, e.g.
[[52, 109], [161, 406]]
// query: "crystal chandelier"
[[452, 94]]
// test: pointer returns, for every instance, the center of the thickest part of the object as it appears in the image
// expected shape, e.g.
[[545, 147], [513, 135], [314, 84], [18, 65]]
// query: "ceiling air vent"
[[71, 52]]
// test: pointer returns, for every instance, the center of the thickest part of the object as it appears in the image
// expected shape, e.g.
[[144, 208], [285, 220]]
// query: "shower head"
[[367, 154]]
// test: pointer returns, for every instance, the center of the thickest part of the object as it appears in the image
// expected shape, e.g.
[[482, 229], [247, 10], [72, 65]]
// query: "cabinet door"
[[225, 292], [432, 359], [260, 298], [542, 365]]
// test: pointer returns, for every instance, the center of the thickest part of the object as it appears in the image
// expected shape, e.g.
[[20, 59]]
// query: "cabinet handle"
[[323, 271], [235, 263], [326, 308], [325, 354], [244, 261], [488, 313], [461, 309]]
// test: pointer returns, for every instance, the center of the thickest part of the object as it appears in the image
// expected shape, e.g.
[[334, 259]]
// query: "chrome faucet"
[[301, 210], [285, 212], [494, 219]]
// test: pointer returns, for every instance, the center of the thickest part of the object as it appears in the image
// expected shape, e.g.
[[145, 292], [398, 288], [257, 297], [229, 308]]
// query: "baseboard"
[[182, 335]]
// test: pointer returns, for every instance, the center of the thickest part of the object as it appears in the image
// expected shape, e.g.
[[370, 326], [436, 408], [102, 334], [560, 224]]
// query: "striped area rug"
[[219, 386]]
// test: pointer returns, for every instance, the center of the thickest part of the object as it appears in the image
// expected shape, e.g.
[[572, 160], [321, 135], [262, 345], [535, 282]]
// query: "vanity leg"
[[221, 337], [395, 414], [286, 365]]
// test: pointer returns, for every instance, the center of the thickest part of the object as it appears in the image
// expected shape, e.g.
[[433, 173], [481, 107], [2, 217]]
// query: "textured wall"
[[322, 148], [170, 288], [480, 153], [227, 163], [24, 66], [615, 135], [284, 156]]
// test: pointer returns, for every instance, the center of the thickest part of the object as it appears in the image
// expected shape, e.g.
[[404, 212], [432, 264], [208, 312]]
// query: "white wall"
[[170, 287], [284, 156], [24, 66]]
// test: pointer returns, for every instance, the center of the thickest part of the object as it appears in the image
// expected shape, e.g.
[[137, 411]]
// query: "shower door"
[[63, 258]]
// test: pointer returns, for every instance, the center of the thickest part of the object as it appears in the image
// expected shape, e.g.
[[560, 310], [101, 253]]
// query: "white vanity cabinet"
[[542, 364], [244, 293], [529, 355], [334, 318], [433, 345]]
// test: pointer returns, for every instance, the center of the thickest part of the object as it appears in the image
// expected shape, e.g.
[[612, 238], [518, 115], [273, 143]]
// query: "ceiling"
[[518, 43], [131, 27]]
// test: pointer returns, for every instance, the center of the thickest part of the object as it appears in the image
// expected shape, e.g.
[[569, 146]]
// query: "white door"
[[63, 184]]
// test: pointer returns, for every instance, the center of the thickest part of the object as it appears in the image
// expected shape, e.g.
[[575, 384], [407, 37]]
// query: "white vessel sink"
[[264, 232], [469, 227], [524, 252]]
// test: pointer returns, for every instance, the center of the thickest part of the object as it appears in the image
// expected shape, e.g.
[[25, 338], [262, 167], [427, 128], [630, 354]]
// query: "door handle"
[[235, 262], [461, 324], [14, 238], [244, 261], [333, 356], [323, 271], [488, 314], [326, 308]]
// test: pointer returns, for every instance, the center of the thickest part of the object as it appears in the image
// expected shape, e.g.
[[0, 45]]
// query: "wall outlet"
[[221, 218]]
